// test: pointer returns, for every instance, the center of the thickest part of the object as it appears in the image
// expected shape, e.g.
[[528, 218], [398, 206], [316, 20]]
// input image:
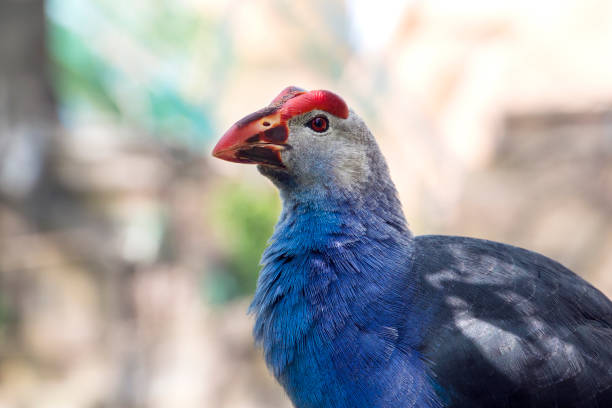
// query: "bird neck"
[[334, 220], [338, 267]]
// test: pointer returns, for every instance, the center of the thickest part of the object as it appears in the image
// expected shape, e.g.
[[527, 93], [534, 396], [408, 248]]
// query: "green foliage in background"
[[131, 64], [81, 78], [245, 216]]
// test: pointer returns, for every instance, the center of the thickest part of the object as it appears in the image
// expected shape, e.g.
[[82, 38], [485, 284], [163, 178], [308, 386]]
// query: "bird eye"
[[318, 124]]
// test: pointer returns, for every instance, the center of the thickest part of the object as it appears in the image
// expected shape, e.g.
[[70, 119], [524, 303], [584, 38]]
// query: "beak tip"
[[215, 152], [220, 154]]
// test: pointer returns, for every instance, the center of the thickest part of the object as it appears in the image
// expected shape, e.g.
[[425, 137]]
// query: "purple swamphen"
[[354, 311]]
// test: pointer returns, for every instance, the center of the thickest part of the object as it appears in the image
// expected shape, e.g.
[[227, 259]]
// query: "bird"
[[353, 310]]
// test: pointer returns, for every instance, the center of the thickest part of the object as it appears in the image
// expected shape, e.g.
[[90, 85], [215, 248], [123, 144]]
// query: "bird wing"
[[510, 327]]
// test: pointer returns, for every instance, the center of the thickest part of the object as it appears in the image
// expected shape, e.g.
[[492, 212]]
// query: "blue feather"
[[332, 302]]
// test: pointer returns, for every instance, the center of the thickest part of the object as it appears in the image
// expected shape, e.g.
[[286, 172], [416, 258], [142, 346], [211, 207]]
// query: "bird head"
[[306, 139]]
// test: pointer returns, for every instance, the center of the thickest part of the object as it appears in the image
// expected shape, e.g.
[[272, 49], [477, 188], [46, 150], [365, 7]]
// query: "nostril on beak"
[[266, 123]]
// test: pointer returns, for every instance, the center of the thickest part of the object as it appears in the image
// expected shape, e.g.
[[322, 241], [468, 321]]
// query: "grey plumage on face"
[[336, 158], [353, 166]]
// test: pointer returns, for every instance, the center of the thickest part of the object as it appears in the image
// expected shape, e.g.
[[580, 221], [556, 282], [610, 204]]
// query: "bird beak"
[[258, 138]]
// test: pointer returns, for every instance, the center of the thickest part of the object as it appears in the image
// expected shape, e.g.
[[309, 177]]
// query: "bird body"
[[352, 310], [513, 328]]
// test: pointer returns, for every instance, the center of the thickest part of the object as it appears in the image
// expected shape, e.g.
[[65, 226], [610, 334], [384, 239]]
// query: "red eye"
[[318, 124]]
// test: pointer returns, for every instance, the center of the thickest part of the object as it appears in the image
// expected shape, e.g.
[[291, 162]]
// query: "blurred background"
[[128, 256]]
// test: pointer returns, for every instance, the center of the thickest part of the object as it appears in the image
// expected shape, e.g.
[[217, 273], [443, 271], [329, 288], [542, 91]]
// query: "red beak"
[[258, 138]]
